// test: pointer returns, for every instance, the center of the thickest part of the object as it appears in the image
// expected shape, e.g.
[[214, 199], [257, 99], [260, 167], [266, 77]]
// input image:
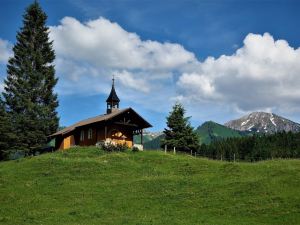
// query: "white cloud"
[[104, 43], [5, 51], [88, 54], [262, 74], [199, 84], [131, 80]]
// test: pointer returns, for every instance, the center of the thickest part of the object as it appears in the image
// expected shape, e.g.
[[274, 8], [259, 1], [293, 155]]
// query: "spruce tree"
[[180, 133], [7, 135], [30, 82]]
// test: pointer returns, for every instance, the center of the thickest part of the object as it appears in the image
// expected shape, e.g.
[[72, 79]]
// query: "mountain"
[[151, 140], [207, 132], [147, 136], [262, 122], [154, 143], [211, 131]]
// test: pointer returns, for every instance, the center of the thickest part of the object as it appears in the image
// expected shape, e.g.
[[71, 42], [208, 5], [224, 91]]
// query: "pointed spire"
[[113, 99]]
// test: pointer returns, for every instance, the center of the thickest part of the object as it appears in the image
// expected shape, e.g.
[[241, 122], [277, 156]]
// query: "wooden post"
[[191, 152], [142, 137], [195, 154], [166, 149], [105, 131], [174, 150]]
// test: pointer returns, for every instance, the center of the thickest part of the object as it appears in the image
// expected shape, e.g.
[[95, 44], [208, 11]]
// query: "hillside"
[[87, 186], [154, 143], [211, 131], [261, 122]]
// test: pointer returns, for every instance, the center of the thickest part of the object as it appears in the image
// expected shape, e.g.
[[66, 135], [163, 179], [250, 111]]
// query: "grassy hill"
[[211, 131], [88, 186]]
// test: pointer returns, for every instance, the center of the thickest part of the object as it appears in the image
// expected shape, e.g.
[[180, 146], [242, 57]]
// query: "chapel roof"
[[142, 122]]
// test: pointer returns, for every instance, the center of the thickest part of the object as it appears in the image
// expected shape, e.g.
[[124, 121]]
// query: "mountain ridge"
[[211, 131], [263, 122]]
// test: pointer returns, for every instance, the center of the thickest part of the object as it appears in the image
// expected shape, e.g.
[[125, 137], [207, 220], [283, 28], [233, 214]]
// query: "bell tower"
[[112, 100]]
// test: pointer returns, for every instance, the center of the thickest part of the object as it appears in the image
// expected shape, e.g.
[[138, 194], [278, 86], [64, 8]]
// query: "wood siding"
[[67, 142], [115, 133]]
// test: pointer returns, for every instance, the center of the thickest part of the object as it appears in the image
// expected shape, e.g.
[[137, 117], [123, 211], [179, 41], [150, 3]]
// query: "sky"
[[221, 59]]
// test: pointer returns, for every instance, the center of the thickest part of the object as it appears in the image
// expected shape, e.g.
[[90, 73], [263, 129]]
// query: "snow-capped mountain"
[[152, 134], [262, 122]]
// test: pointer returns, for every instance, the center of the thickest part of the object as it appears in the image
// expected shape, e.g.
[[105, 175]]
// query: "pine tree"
[[30, 82], [6, 137], [180, 133]]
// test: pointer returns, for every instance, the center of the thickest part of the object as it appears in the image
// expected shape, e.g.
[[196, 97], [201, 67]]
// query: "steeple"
[[112, 100]]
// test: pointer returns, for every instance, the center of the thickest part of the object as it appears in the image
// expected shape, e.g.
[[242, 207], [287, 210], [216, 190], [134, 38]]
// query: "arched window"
[[90, 133]]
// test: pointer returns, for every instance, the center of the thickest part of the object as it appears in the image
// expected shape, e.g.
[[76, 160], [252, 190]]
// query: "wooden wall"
[[67, 142], [115, 133]]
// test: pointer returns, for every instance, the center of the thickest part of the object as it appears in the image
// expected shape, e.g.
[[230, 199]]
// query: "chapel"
[[117, 126]]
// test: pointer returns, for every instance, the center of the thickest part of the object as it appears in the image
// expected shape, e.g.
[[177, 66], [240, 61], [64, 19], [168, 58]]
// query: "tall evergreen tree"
[[180, 133], [6, 137], [30, 82]]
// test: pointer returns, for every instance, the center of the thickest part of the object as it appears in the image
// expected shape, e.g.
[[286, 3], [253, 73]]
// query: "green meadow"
[[89, 186]]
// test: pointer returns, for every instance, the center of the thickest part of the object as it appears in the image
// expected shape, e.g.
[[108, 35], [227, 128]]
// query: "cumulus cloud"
[[131, 80], [5, 50], [90, 53], [104, 43], [264, 74]]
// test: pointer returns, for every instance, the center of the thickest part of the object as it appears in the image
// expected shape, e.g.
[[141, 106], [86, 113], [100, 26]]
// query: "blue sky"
[[221, 59]]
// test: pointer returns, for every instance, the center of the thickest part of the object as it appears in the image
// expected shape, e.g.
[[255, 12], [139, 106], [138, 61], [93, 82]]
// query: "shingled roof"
[[96, 119]]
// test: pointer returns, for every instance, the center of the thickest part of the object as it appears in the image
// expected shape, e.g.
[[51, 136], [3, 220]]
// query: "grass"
[[88, 186]]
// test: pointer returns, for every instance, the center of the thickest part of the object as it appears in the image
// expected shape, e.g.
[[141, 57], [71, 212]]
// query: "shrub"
[[112, 147], [135, 149]]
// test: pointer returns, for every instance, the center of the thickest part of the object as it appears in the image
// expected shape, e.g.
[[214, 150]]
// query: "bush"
[[135, 149], [112, 147]]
